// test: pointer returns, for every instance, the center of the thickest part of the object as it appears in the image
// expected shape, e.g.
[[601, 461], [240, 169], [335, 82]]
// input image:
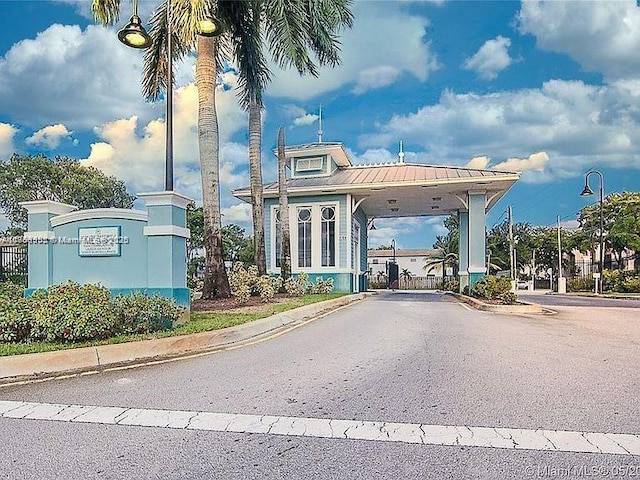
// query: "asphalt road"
[[579, 301], [396, 357]]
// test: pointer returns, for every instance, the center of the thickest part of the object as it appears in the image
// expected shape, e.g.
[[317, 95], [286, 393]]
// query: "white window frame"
[[309, 167], [316, 237]]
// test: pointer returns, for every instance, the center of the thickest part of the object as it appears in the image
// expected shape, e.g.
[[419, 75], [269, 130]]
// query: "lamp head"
[[133, 34], [587, 190], [209, 27]]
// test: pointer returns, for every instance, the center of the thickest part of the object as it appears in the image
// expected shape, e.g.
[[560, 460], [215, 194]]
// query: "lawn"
[[217, 315]]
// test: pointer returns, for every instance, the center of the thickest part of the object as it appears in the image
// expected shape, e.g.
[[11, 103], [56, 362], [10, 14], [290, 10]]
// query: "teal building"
[[332, 202]]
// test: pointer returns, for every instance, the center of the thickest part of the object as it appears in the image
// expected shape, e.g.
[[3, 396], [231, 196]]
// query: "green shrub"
[[140, 313], [323, 286], [580, 284], [266, 288], [11, 291], [71, 313], [451, 285], [491, 288], [631, 285], [15, 321], [613, 280]]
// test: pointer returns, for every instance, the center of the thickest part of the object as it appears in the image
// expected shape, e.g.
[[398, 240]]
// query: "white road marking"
[[505, 438]]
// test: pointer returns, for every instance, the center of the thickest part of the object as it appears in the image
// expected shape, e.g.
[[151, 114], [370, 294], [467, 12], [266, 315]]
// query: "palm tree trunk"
[[255, 173], [216, 283], [285, 242]]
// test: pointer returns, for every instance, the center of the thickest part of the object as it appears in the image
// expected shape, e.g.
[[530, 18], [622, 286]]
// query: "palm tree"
[[406, 275], [446, 253], [285, 242], [291, 30]]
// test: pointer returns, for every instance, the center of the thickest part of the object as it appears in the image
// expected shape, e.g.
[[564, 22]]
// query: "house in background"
[[331, 202], [411, 260]]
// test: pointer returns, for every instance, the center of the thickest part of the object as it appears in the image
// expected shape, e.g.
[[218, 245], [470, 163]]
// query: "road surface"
[[416, 365]]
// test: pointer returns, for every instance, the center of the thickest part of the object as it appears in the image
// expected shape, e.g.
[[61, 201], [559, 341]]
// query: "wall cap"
[[47, 206], [99, 213], [166, 230], [155, 199]]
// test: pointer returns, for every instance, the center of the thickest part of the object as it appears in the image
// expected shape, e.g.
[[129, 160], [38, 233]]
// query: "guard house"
[[332, 201]]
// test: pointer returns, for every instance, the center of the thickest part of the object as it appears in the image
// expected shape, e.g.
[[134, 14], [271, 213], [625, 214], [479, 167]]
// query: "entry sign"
[[99, 241], [449, 271]]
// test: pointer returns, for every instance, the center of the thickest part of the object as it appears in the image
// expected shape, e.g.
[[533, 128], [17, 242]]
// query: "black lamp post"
[[134, 35], [585, 193]]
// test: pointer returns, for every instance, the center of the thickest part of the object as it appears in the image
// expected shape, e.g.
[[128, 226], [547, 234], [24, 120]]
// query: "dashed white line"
[[503, 438]]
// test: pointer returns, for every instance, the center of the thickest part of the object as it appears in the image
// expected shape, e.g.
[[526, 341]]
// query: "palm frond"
[[106, 12]]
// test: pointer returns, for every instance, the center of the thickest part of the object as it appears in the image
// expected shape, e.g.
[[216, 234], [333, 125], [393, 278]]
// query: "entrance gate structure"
[[330, 199]]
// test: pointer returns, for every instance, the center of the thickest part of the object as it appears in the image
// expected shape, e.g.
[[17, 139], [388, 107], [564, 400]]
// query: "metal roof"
[[400, 189]]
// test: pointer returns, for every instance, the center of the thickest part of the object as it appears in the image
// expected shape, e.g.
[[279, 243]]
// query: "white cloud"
[[7, 133], [374, 78], [601, 36], [397, 228], [491, 59], [306, 119], [535, 162], [362, 48], [577, 125], [480, 162], [138, 159], [49, 136], [239, 213], [80, 78]]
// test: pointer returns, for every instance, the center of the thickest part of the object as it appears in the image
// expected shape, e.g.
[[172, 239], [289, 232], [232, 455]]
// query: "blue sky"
[[551, 89]]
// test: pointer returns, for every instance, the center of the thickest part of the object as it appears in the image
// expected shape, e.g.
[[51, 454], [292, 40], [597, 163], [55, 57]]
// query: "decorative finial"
[[401, 154], [320, 125]]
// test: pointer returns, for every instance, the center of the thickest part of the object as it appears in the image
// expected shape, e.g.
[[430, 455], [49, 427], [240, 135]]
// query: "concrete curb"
[[38, 365], [522, 307]]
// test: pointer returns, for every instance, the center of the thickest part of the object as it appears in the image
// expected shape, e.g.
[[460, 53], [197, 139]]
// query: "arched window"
[[328, 236], [304, 237]]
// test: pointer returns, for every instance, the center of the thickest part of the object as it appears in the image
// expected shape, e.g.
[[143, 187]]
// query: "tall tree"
[[63, 179], [292, 30], [285, 236]]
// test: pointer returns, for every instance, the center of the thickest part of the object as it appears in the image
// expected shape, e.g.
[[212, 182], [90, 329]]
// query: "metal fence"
[[13, 264]]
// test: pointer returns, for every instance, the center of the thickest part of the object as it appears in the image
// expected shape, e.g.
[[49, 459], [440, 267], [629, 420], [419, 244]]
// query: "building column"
[[477, 202], [167, 235], [463, 249], [41, 240]]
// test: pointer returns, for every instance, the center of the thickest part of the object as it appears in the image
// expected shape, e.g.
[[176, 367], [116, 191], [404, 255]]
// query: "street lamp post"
[[135, 36], [585, 193]]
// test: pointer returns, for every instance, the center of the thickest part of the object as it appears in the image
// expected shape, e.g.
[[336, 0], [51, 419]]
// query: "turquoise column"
[[463, 249], [477, 202], [41, 240], [167, 235]]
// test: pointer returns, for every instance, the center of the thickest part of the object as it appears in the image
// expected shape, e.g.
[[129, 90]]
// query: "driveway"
[[416, 364]]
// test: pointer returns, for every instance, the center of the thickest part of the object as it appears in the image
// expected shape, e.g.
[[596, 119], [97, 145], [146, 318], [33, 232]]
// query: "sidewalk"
[[76, 360]]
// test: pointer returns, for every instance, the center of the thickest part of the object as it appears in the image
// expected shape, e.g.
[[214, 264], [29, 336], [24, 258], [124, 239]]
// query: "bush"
[[11, 291], [266, 288], [71, 313], [140, 313], [631, 285], [323, 286], [240, 283], [494, 288], [580, 284], [451, 285], [15, 321]]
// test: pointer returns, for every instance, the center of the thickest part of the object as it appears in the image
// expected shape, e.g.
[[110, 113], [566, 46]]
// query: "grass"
[[199, 322]]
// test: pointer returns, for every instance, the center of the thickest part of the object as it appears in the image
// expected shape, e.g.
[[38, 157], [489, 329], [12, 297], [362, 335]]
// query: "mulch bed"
[[225, 304]]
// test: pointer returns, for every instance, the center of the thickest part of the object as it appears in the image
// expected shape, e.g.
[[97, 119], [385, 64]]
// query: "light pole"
[[585, 193], [135, 36]]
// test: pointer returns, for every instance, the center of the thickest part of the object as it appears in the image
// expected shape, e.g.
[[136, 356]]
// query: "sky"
[[551, 89]]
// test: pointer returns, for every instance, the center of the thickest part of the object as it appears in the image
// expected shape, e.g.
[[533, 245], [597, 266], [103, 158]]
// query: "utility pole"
[[562, 281], [511, 262], [533, 271]]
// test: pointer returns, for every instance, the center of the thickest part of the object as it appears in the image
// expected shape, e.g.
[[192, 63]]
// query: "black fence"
[[13, 264]]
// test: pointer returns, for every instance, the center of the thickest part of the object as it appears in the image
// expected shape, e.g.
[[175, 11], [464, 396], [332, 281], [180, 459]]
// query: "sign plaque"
[[99, 242]]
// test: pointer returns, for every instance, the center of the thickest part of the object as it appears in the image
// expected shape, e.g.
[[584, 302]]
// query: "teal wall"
[[127, 270], [342, 282]]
